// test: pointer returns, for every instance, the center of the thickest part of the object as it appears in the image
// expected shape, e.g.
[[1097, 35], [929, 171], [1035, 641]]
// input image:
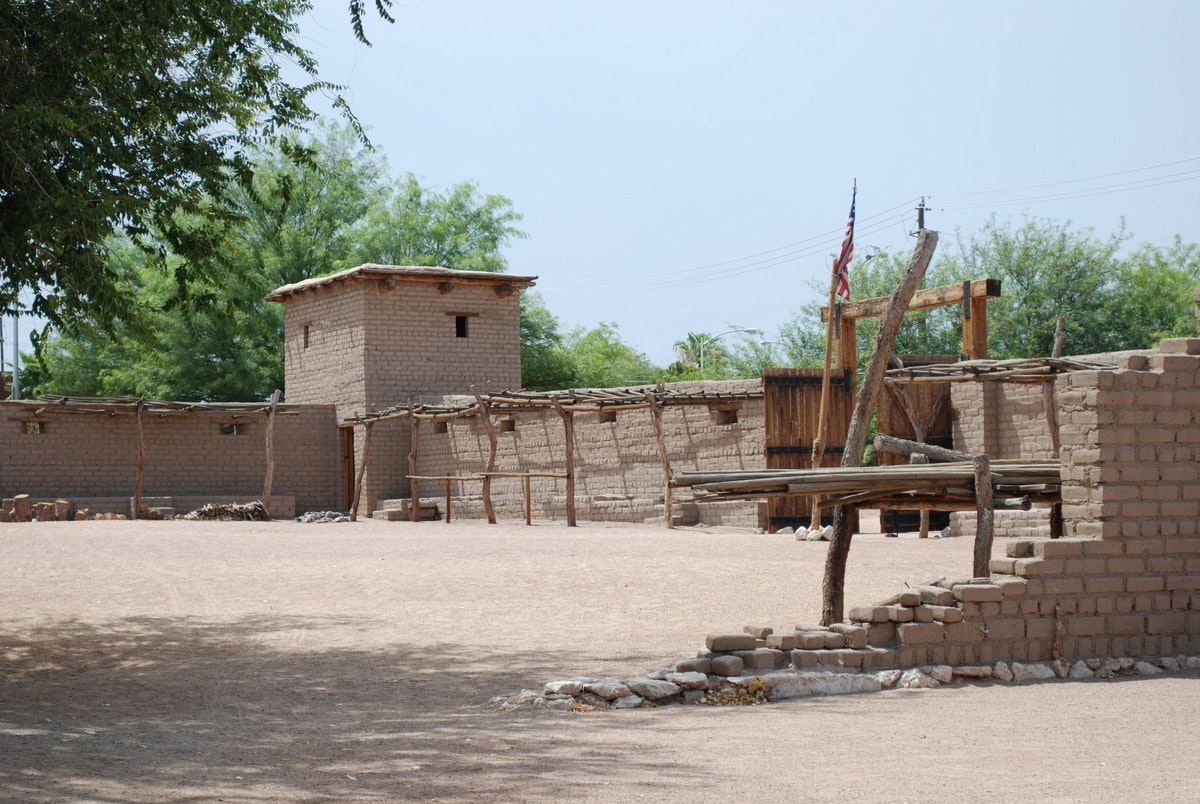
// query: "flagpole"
[[818, 450]]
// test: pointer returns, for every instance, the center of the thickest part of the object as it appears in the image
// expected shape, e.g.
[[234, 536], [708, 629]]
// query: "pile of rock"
[[322, 516], [701, 681]]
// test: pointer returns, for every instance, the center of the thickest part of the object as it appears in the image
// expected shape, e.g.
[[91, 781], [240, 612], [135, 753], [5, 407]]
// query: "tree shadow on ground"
[[147, 709]]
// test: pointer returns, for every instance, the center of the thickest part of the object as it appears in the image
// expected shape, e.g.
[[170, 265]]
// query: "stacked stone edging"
[[667, 687]]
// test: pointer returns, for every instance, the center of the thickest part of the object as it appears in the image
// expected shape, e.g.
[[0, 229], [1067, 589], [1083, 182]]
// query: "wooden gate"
[[792, 400]]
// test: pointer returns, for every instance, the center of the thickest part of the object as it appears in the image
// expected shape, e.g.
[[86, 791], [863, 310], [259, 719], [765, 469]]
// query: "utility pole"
[[921, 214]]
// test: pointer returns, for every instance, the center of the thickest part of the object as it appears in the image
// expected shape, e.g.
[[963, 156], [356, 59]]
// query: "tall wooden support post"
[[568, 420], [141, 460], [834, 584], [362, 468], [491, 464], [668, 502], [974, 324], [984, 517], [818, 444], [414, 485], [269, 477]]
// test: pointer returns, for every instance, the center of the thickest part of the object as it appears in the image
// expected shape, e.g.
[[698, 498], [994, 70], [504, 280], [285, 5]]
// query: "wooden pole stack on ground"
[[362, 468], [834, 583]]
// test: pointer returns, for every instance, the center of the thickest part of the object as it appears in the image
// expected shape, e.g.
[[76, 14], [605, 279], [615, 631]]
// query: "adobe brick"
[[1126, 624], [1006, 629], [921, 633], [1058, 548], [1086, 626], [1039, 627], [964, 632]]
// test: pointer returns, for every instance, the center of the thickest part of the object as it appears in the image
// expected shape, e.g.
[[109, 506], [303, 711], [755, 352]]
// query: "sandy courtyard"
[[264, 662]]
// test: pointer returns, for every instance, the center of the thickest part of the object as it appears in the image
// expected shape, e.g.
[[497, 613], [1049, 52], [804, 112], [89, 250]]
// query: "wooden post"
[[974, 324], [362, 468], [22, 510], [528, 500], [141, 460], [656, 417], [568, 420], [900, 446], [491, 464], [834, 584], [64, 510], [269, 480], [818, 445], [984, 516], [414, 486], [447, 501]]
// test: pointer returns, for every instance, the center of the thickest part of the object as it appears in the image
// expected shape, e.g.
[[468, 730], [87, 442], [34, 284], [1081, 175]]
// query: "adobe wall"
[[329, 366], [94, 455], [1123, 582], [617, 467]]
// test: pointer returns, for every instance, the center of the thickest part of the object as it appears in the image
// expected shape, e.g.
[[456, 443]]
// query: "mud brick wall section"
[[92, 456]]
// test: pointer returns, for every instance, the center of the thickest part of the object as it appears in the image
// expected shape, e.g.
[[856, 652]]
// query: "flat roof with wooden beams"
[[445, 278]]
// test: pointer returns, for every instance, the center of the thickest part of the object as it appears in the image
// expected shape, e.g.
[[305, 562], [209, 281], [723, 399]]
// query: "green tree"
[[1047, 269], [603, 360], [216, 339], [460, 229], [545, 364], [1155, 288], [136, 120]]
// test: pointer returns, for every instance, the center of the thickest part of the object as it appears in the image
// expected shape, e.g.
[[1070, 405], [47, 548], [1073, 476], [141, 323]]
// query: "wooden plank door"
[[792, 400]]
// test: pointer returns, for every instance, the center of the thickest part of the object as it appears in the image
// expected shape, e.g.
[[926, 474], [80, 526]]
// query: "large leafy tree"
[[214, 338], [136, 119]]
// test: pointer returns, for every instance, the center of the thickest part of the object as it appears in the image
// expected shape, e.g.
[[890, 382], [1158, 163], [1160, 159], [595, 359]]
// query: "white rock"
[[561, 705], [651, 689], [608, 688], [1094, 664], [1035, 671], [689, 681], [568, 686], [973, 671], [1110, 666], [1081, 670], [785, 531], [1125, 663], [888, 678], [1061, 667], [1146, 669], [806, 684], [942, 673], [1193, 662], [1169, 663], [913, 679], [1001, 671], [628, 702]]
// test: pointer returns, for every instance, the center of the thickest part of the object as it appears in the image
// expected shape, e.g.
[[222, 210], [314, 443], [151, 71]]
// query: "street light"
[[716, 338]]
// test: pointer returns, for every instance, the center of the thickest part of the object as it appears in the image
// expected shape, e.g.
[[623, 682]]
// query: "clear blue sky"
[[686, 166]]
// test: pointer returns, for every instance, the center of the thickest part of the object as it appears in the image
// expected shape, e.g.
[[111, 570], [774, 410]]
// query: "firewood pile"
[[228, 512]]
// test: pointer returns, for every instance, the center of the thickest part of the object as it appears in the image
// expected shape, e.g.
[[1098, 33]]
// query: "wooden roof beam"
[[943, 296]]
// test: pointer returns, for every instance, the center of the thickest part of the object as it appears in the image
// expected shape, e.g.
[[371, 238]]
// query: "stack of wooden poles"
[[1016, 484]]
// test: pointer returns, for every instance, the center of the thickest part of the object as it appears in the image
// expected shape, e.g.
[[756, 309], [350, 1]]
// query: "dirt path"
[[254, 662]]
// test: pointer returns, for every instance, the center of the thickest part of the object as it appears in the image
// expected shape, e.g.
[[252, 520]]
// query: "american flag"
[[842, 266]]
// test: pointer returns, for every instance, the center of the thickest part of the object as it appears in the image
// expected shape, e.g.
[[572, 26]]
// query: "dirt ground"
[[263, 662]]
